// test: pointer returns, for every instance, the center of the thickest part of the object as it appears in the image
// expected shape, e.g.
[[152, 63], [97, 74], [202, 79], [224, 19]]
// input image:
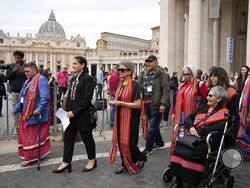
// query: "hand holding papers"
[[62, 115]]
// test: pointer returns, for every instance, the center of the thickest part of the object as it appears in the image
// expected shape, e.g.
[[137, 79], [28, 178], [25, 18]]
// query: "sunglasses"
[[122, 70], [186, 74], [50, 74]]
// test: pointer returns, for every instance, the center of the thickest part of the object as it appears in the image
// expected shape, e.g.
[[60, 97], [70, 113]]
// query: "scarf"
[[32, 92], [187, 96], [124, 94], [202, 119], [244, 104], [144, 120], [231, 93]]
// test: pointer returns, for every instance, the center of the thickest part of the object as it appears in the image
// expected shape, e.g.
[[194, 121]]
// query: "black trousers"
[[1, 104], [99, 91], [62, 91], [69, 141]]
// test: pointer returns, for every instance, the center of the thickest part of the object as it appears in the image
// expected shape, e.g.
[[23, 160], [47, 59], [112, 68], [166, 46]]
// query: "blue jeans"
[[112, 114], [154, 136]]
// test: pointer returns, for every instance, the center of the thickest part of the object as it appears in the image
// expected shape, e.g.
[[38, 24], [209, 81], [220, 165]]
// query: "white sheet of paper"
[[62, 115]]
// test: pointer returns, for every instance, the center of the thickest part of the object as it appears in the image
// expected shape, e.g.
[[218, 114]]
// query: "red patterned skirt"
[[28, 137]]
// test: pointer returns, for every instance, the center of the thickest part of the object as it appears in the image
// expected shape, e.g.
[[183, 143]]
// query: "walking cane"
[[39, 142]]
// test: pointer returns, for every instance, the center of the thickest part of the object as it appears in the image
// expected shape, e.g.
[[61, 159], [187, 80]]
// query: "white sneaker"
[[16, 131]]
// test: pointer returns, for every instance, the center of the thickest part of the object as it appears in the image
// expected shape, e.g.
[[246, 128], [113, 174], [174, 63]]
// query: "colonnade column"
[[194, 33], [248, 38], [45, 60], [30, 54], [216, 42], [54, 62], [138, 69], [37, 62], [167, 34]]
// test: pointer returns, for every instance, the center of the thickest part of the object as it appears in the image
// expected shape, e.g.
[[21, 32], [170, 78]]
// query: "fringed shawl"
[[244, 106], [144, 120], [202, 119], [186, 95], [32, 92], [231, 93]]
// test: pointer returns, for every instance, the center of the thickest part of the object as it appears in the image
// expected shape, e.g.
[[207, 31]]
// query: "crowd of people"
[[199, 102]]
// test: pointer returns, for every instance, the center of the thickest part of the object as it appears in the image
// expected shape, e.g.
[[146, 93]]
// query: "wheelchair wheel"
[[229, 182], [166, 176]]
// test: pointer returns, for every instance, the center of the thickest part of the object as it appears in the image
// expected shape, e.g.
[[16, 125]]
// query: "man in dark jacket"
[[156, 96], [15, 75]]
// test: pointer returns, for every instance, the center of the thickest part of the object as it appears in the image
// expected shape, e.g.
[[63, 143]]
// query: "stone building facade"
[[51, 49], [205, 33]]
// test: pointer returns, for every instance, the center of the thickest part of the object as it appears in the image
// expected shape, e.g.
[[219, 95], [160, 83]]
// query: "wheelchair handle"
[[231, 118]]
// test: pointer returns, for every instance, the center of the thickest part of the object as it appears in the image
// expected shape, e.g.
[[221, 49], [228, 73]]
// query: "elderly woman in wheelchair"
[[188, 159]]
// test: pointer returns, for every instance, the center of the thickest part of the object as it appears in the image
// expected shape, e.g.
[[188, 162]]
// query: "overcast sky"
[[85, 17]]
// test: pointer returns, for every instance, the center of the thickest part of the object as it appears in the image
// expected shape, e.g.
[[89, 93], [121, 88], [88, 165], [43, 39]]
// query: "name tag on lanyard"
[[149, 88]]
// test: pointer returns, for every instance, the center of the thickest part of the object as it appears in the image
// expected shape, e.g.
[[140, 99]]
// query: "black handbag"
[[190, 141], [93, 113], [101, 104]]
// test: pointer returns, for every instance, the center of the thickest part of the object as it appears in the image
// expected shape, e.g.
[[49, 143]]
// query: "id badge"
[[21, 100], [149, 88]]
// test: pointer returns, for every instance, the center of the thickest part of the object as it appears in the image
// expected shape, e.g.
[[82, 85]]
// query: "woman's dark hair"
[[240, 79], [45, 73], [32, 65], [223, 79], [82, 60]]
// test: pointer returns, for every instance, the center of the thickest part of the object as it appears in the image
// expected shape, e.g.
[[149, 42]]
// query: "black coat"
[[81, 104], [2, 86]]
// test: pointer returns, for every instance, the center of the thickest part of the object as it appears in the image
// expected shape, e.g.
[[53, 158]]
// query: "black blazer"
[[80, 105], [2, 86]]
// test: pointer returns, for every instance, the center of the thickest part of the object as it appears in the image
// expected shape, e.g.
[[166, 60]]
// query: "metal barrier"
[[7, 123], [7, 127]]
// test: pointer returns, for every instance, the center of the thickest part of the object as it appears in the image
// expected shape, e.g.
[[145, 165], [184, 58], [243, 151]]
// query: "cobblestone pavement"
[[11, 175]]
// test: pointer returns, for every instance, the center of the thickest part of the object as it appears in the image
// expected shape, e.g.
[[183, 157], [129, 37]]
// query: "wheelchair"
[[221, 157]]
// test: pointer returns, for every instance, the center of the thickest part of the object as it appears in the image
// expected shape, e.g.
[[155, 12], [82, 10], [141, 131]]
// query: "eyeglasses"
[[122, 70], [186, 74], [210, 95], [50, 74]]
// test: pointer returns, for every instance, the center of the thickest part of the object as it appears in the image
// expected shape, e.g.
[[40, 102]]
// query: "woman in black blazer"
[[77, 105]]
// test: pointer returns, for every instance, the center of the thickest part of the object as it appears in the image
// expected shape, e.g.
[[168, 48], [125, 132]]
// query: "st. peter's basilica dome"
[[51, 30]]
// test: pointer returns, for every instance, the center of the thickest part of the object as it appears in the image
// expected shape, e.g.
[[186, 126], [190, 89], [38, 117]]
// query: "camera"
[[3, 65]]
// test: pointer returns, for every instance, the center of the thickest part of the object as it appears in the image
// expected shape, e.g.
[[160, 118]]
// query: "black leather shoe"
[[56, 171], [175, 185], [120, 170], [89, 169], [140, 164]]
